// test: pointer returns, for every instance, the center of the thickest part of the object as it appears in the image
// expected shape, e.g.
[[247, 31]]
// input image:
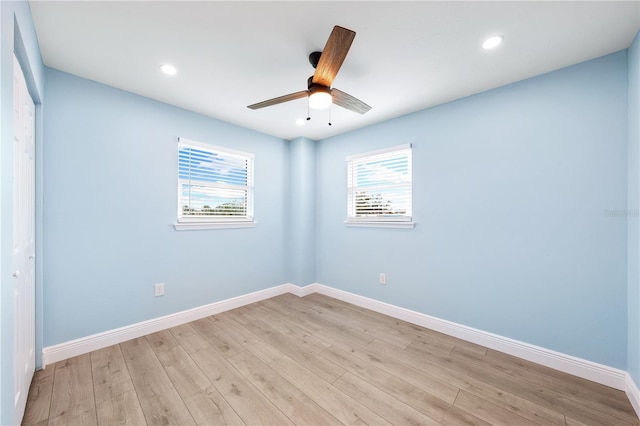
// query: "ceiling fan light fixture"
[[320, 97]]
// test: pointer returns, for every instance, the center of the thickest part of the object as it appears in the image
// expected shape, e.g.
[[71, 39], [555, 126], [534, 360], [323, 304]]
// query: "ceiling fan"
[[327, 63]]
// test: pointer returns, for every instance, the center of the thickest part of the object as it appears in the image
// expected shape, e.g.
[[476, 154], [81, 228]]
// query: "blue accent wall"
[[111, 202], [17, 34], [633, 232], [519, 199]]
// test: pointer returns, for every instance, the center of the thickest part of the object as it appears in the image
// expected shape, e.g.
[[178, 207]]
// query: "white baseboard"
[[62, 351], [589, 370], [598, 373], [633, 393], [302, 291]]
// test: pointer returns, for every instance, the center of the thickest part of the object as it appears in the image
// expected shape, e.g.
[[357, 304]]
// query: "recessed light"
[[169, 69], [492, 42]]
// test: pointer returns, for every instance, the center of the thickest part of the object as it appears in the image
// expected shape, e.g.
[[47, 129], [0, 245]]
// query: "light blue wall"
[[511, 190], [303, 210], [110, 202], [16, 34], [633, 231]]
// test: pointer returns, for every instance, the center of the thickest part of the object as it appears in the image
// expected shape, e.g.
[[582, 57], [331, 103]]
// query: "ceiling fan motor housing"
[[315, 87]]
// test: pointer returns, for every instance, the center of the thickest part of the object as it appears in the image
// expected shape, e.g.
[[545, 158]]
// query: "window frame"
[[381, 221], [216, 222]]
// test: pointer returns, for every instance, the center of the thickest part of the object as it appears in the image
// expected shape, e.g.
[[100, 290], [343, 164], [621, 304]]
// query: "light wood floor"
[[312, 361]]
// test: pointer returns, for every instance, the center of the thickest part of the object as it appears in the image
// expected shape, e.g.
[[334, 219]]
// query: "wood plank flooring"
[[312, 361]]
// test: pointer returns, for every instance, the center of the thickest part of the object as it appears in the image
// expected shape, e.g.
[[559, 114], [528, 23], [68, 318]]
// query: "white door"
[[23, 239]]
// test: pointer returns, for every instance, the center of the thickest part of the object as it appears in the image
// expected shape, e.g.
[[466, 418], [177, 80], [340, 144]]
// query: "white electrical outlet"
[[159, 289], [383, 278]]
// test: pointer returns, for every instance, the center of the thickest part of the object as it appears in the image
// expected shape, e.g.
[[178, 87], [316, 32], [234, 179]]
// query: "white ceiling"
[[406, 56]]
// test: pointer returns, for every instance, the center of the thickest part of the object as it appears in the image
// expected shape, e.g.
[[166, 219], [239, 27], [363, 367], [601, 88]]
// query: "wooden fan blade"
[[347, 101], [280, 99], [333, 55]]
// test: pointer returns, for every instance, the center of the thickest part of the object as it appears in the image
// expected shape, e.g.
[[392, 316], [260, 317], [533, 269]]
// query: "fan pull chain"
[[308, 114], [330, 107]]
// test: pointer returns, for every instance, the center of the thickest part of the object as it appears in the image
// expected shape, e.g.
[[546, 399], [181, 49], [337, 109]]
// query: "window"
[[379, 188], [215, 187]]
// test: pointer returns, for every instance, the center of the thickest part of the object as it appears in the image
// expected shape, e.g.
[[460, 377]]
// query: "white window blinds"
[[214, 184], [379, 185]]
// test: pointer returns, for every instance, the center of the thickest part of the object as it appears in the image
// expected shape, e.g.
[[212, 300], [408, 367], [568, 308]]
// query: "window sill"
[[380, 224], [211, 225]]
